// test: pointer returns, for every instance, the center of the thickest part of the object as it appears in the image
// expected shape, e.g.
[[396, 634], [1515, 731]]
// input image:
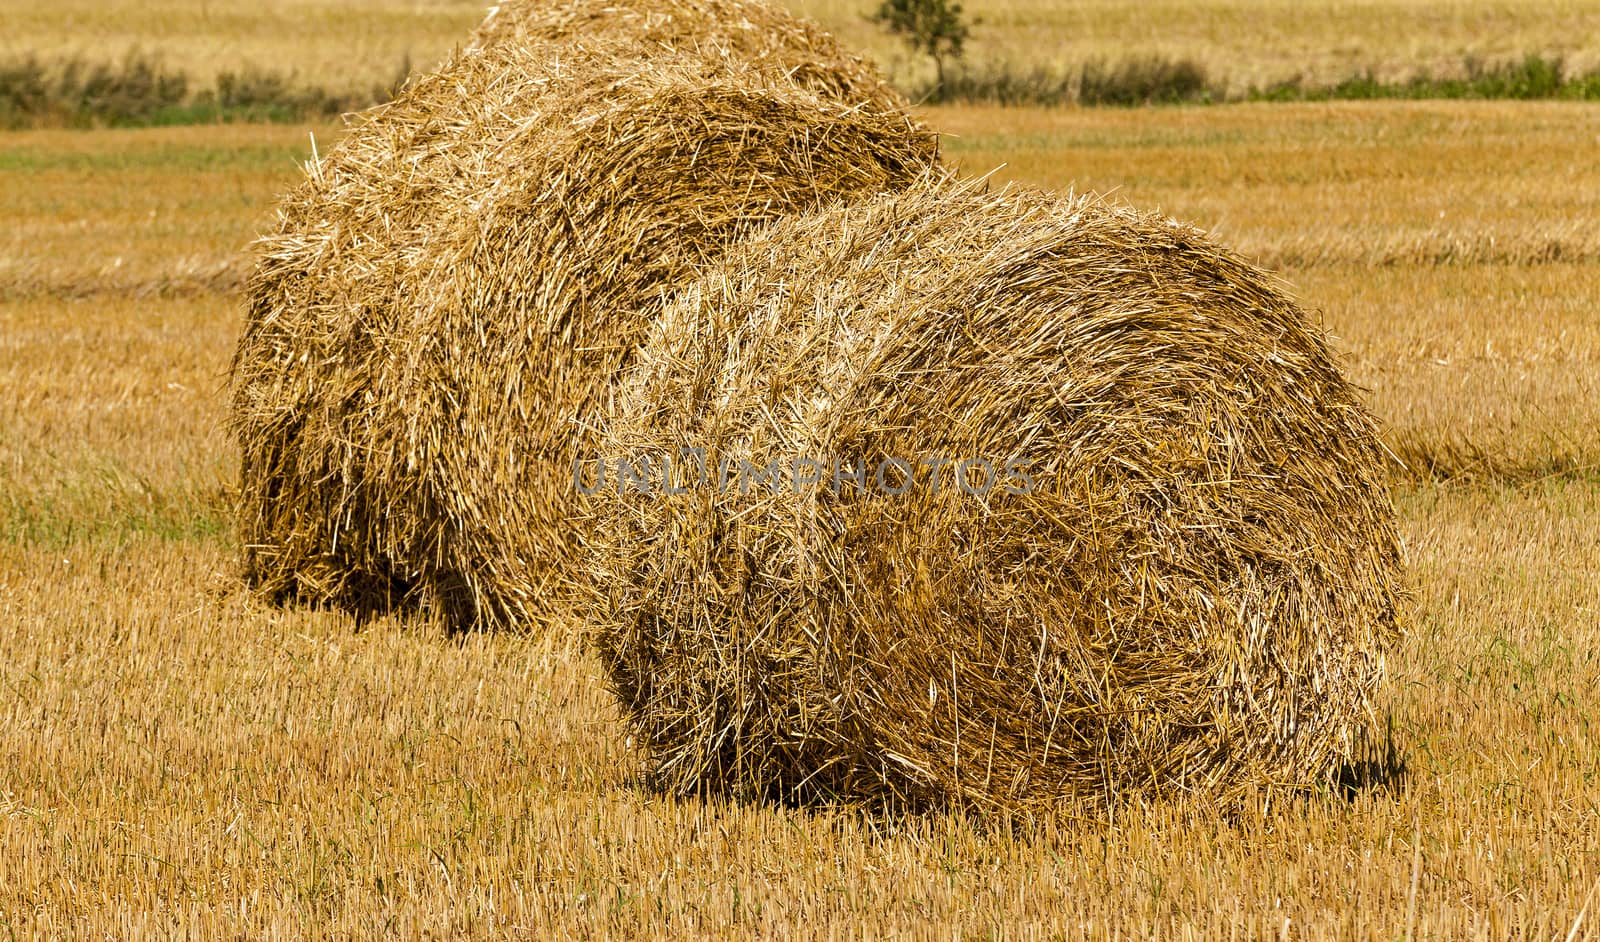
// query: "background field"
[[343, 44], [177, 759]]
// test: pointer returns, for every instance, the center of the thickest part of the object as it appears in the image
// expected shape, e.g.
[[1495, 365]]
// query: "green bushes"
[[1145, 81], [140, 90], [1155, 80], [1532, 78]]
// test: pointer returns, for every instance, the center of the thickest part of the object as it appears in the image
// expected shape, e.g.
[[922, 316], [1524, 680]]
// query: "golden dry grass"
[[175, 758], [1451, 245], [131, 212], [336, 44], [1480, 371], [1425, 182], [109, 418]]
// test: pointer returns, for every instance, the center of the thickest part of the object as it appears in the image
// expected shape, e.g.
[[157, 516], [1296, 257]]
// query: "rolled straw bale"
[[1185, 580], [451, 289], [752, 33]]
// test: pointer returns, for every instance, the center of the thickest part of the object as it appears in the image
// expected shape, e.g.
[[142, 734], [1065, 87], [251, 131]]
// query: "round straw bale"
[[752, 33], [451, 290], [994, 500]]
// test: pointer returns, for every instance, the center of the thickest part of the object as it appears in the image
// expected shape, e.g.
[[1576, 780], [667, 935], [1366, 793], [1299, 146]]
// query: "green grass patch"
[[1533, 78], [109, 501], [142, 91], [1144, 81], [1161, 81]]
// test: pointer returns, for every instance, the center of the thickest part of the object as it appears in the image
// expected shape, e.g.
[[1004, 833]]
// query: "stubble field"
[[178, 760], [357, 43]]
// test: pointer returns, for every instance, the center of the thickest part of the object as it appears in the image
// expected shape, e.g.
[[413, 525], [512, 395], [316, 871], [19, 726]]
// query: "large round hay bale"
[[1169, 563], [452, 288], [749, 32]]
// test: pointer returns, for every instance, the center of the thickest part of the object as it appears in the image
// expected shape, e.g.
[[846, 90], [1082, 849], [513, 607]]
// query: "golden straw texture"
[[752, 34], [451, 290], [1185, 580]]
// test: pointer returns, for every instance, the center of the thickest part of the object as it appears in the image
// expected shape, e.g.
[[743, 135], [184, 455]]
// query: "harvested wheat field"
[[179, 760], [1004, 500], [435, 321]]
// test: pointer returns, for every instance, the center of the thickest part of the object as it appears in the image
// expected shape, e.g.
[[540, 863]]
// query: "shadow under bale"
[[450, 292], [1000, 501]]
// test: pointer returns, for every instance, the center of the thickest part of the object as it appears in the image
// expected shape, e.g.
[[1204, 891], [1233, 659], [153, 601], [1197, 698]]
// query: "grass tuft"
[[140, 90], [1149, 80], [1152, 80], [1534, 77], [1159, 80]]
